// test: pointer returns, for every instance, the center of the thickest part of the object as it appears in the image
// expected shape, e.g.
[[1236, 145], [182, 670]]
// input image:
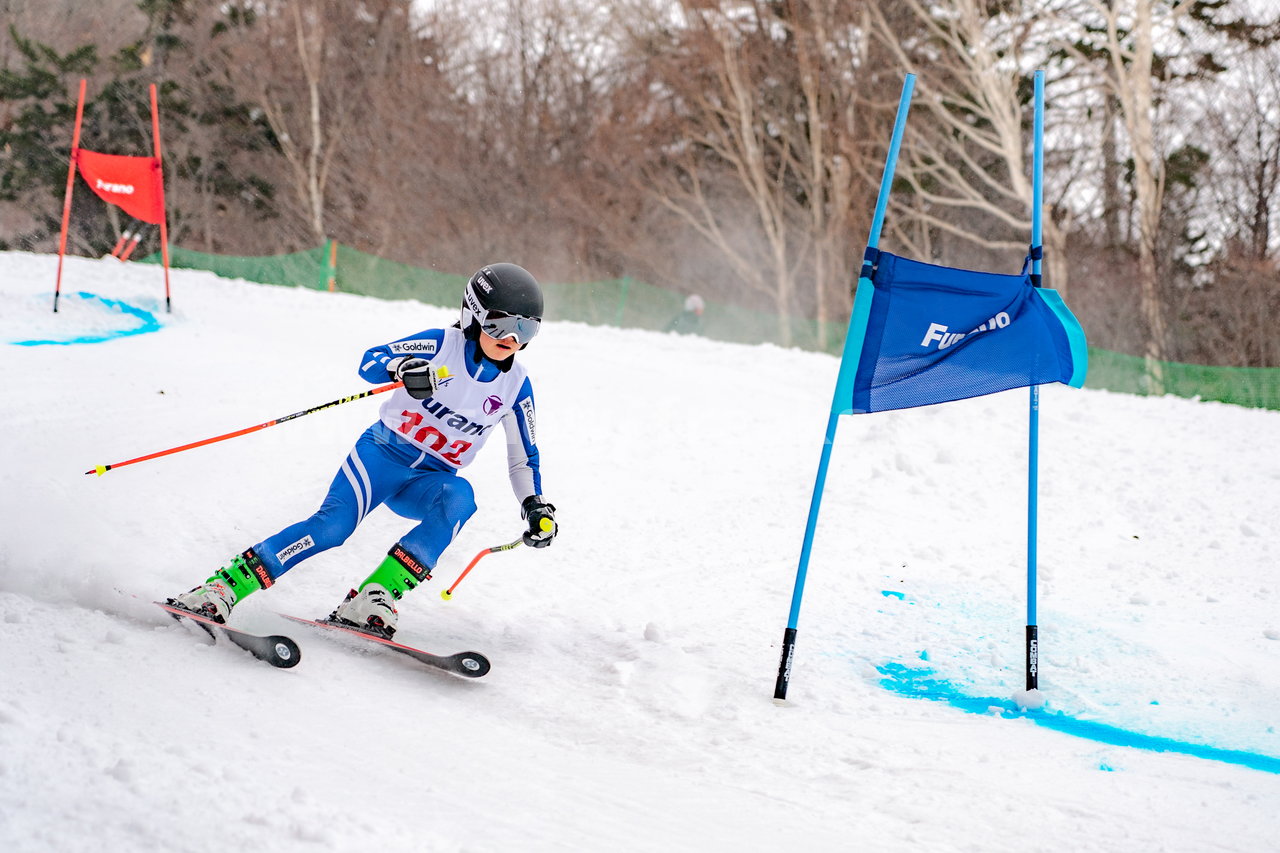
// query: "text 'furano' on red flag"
[[130, 183]]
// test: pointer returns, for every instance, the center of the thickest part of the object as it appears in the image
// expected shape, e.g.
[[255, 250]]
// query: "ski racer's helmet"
[[503, 301]]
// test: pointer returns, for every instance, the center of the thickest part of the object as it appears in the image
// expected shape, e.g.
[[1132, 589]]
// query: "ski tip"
[[471, 664], [285, 652]]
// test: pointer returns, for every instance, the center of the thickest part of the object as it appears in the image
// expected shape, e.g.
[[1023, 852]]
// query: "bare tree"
[[1228, 316], [332, 102], [830, 47], [1129, 81], [1118, 42], [753, 102], [530, 81], [968, 163], [1244, 116], [308, 118]]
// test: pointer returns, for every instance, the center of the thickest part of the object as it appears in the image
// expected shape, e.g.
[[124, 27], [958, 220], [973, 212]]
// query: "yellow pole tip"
[[101, 469], [442, 371], [546, 525], [445, 594]]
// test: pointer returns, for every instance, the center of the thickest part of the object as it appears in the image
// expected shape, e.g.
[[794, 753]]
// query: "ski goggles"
[[498, 324]]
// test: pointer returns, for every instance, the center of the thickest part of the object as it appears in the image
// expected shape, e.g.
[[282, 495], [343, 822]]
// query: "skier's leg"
[[442, 502], [366, 477], [442, 505], [344, 506]]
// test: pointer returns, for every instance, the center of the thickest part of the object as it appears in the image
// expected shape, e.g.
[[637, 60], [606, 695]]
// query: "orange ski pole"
[[447, 594], [133, 244], [102, 469], [124, 238]]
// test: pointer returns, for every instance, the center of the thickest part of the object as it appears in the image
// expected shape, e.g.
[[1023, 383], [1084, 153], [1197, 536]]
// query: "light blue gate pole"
[[1033, 450], [841, 401]]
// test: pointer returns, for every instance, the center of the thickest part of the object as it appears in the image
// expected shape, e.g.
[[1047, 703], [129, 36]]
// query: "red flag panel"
[[131, 183]]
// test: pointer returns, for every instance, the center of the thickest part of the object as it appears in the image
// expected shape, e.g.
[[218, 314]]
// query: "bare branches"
[[968, 162], [732, 146], [756, 117]]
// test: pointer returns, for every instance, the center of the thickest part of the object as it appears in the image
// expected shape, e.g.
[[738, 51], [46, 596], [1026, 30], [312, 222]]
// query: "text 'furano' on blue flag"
[[922, 334]]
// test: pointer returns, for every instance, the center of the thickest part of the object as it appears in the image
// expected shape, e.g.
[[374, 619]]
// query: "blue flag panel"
[[922, 334]]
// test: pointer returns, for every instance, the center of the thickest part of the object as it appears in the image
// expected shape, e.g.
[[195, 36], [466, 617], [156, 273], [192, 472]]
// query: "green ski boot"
[[226, 587]]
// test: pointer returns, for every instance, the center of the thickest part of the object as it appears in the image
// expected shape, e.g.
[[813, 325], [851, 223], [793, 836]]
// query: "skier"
[[459, 383]]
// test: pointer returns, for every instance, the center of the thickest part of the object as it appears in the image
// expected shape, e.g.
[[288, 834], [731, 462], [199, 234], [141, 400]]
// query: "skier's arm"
[[379, 363], [520, 423]]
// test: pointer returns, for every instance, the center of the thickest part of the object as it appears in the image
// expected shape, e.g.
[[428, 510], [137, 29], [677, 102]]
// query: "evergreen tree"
[[35, 133]]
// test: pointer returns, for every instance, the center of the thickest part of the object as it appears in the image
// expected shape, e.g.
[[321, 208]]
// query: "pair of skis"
[[281, 651]]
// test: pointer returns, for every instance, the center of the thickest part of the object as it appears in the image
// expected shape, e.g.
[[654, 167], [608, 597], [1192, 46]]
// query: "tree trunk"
[[1136, 97]]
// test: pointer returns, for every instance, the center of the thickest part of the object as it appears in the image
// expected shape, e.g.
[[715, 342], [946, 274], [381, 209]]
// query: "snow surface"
[[629, 706]]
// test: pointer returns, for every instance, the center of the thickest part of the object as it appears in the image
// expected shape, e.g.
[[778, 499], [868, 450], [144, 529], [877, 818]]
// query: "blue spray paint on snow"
[[148, 324], [924, 684]]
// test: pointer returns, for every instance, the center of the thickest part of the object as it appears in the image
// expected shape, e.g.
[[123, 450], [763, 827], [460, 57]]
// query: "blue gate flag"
[[923, 334]]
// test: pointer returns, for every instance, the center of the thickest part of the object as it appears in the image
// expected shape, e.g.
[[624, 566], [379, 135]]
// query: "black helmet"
[[503, 301]]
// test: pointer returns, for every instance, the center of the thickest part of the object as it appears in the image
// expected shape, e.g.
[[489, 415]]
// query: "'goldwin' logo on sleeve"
[[403, 347], [526, 405]]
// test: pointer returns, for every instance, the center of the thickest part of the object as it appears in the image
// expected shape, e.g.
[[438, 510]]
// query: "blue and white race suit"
[[410, 459]]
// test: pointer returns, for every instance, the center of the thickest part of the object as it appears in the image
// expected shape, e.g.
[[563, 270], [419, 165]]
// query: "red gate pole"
[[66, 201], [164, 215]]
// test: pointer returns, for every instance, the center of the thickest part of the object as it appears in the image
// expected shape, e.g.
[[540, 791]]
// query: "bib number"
[[433, 438]]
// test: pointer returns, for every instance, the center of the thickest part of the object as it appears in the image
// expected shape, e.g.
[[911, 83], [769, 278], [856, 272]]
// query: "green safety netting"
[[629, 303], [1256, 387]]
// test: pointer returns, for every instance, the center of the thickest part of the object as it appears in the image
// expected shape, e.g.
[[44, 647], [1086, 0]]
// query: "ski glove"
[[418, 376], [542, 521]]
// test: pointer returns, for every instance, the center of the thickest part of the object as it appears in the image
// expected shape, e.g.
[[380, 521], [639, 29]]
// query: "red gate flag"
[[130, 183], [134, 184]]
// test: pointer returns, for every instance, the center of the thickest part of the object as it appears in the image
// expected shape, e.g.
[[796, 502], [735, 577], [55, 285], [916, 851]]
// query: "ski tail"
[[275, 649]]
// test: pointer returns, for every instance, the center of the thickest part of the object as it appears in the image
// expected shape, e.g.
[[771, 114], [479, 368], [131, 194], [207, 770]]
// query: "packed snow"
[[630, 703]]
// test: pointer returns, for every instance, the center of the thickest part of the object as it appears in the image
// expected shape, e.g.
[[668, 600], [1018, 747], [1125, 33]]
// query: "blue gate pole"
[[841, 400], [1033, 450]]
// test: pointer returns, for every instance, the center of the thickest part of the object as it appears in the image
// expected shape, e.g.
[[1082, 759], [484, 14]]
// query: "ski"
[[465, 664], [273, 648]]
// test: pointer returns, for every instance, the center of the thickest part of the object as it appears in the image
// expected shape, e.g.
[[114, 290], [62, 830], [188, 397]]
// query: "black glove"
[[417, 374], [542, 521]]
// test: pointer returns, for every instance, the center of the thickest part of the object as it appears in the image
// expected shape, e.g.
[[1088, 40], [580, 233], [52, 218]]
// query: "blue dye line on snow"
[[924, 684], [149, 324]]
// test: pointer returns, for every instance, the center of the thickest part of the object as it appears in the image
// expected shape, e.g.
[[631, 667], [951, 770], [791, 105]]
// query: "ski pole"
[[133, 244], [102, 469], [546, 525], [124, 238]]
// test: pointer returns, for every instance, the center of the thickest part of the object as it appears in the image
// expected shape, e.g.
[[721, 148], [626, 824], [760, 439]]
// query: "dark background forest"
[[732, 149]]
